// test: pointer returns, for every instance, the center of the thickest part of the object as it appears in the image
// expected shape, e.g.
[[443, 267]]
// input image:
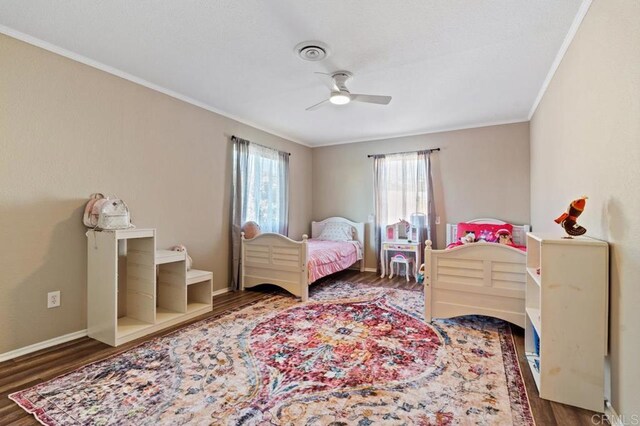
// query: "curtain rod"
[[405, 152], [264, 146]]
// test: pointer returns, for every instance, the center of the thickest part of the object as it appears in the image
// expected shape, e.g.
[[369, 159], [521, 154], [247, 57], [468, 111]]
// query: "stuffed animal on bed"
[[504, 237], [468, 237], [180, 247], [486, 236], [251, 229]]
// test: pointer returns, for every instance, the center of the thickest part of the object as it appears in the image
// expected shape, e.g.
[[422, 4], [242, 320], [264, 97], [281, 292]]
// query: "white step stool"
[[401, 260]]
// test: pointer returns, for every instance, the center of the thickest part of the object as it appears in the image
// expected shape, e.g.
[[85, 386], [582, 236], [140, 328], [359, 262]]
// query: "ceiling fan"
[[340, 95]]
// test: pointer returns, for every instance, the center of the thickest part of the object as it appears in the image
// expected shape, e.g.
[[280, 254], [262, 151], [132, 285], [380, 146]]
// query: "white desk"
[[400, 246]]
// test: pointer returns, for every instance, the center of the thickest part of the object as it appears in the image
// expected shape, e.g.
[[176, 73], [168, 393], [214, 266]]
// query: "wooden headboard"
[[317, 227], [519, 231]]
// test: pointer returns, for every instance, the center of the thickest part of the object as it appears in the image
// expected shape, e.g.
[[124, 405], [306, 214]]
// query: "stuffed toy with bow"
[[568, 219]]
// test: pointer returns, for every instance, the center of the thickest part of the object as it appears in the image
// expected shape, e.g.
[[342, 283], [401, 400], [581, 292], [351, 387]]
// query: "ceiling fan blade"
[[372, 99], [318, 105]]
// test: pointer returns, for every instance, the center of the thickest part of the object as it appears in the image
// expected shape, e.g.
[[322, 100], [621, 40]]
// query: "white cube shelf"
[[124, 299], [567, 307]]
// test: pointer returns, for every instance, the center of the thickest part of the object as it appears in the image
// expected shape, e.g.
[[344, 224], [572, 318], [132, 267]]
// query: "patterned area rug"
[[353, 355]]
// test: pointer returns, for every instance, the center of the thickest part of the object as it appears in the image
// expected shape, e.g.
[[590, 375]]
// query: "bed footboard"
[[275, 259], [481, 278]]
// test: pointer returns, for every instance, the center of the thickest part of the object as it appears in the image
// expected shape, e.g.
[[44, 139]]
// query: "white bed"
[[275, 259], [479, 278]]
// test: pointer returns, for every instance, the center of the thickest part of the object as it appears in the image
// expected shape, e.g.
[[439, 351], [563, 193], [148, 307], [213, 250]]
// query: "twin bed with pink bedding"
[[294, 265], [328, 257], [482, 278]]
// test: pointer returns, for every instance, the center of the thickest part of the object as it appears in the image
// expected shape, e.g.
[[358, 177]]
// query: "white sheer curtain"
[[266, 195], [260, 193], [402, 186]]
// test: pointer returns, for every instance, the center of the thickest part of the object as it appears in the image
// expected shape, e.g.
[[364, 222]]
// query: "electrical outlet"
[[53, 299], [437, 220]]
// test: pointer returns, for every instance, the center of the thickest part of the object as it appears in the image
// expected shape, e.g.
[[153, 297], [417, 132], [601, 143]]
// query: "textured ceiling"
[[447, 64]]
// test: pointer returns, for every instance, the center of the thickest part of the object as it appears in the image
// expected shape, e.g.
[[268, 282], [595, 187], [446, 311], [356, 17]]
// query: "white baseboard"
[[612, 416], [221, 291], [370, 269], [42, 345], [62, 339]]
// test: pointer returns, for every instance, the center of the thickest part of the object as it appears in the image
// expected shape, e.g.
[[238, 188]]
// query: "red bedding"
[[326, 257], [458, 243]]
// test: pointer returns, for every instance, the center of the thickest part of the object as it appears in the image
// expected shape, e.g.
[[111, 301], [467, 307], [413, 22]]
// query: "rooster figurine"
[[568, 220]]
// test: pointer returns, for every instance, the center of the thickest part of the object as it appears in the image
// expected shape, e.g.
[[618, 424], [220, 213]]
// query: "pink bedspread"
[[327, 257]]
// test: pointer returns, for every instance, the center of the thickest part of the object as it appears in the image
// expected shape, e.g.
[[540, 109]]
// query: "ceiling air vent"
[[312, 50]]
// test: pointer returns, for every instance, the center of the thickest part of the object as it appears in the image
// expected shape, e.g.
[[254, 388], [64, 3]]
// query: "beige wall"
[[482, 172], [67, 130], [585, 139]]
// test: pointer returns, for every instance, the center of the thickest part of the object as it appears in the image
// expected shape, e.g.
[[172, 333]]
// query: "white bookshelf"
[[567, 306], [134, 290]]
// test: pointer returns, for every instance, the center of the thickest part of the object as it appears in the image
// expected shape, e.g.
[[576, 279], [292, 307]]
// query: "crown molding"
[[582, 11], [132, 78], [575, 25], [426, 132]]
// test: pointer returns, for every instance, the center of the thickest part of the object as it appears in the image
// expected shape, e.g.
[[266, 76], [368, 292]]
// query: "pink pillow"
[[483, 231]]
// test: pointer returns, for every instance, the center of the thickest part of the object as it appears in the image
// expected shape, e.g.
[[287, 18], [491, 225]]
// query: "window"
[[260, 194], [266, 190], [403, 186]]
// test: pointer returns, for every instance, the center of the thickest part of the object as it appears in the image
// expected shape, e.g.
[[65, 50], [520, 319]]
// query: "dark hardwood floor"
[[28, 370]]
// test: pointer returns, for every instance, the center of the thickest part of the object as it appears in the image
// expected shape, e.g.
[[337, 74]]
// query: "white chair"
[[398, 260]]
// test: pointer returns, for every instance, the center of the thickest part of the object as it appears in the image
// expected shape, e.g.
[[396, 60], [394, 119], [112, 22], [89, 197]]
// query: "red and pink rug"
[[352, 355]]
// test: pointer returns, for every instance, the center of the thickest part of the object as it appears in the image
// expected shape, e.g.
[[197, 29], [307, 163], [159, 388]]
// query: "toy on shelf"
[[568, 219], [181, 247]]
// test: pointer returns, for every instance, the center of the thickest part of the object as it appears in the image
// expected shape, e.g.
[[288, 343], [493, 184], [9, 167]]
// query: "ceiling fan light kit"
[[316, 51], [339, 98], [340, 95]]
